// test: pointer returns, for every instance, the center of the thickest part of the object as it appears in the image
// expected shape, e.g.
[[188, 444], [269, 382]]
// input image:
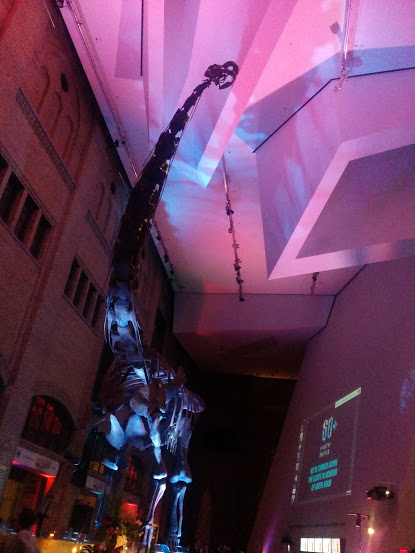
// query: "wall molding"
[[44, 139], [99, 235]]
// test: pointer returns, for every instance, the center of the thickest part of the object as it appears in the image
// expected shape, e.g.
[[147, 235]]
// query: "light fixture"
[[314, 282], [347, 57], [379, 493], [360, 518], [229, 212], [287, 543]]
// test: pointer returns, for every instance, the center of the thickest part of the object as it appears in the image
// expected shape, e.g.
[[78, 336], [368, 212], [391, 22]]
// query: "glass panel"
[[10, 198], [82, 284], [41, 237], [3, 165], [89, 301], [97, 310], [26, 219], [73, 275]]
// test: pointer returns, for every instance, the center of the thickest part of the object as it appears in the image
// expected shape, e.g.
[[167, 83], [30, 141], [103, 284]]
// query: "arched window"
[[107, 214], [63, 136], [113, 226], [41, 88], [100, 191], [51, 112], [48, 424]]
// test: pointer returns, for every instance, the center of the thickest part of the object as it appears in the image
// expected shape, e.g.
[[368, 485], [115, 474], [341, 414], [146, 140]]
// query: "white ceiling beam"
[[154, 66], [263, 44]]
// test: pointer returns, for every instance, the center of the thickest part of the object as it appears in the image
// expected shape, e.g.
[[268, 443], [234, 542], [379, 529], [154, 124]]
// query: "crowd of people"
[[23, 542], [198, 547]]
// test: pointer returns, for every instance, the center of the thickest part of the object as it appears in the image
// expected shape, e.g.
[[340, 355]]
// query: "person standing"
[[24, 542]]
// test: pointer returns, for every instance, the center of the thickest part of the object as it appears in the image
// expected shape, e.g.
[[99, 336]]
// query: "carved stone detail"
[[44, 139], [99, 235]]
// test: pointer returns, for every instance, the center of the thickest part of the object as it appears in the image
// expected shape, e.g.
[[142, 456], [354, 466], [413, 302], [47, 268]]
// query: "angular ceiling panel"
[[300, 207]]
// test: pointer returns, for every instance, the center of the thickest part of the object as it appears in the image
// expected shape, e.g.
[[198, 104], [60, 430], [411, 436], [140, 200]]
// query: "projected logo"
[[325, 466]]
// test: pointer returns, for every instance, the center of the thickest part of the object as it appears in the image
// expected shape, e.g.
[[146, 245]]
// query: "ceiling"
[[319, 163]]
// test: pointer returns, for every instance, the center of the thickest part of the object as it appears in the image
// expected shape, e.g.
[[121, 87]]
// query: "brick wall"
[[53, 140]]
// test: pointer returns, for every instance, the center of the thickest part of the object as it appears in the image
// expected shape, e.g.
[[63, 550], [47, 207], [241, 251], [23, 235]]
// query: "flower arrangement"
[[116, 530]]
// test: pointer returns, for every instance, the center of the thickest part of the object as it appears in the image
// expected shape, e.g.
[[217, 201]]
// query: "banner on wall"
[[95, 485], [34, 461]]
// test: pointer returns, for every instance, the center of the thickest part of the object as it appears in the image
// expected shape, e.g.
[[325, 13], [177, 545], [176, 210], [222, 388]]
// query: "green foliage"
[[115, 525]]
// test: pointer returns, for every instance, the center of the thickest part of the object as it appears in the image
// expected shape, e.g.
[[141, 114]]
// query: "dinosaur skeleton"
[[146, 401]]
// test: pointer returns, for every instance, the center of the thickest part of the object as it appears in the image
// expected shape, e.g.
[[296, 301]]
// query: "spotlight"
[[370, 531], [378, 493]]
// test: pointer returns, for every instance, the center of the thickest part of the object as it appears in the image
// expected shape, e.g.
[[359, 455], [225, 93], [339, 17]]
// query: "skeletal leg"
[[116, 438], [158, 491], [181, 471], [176, 515], [143, 432], [159, 468], [180, 478]]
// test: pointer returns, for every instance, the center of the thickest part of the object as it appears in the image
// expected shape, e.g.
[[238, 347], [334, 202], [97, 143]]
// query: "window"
[[90, 301], [48, 424], [72, 279], [80, 289], [10, 198], [97, 310], [131, 481], [41, 237], [22, 214], [83, 294], [3, 165], [26, 219], [97, 445], [97, 466]]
